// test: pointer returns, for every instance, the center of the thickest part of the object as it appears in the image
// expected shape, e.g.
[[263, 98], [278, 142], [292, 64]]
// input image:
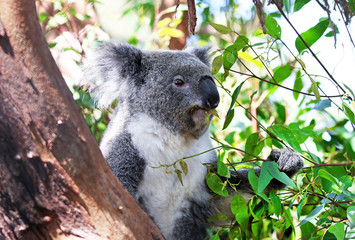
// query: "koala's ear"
[[202, 53], [110, 71]]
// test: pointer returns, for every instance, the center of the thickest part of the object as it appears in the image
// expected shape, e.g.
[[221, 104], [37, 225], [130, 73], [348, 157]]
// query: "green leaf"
[[314, 88], [43, 17], [301, 204], [276, 202], [286, 135], [217, 64], [178, 173], [216, 184], [318, 210], [222, 169], [287, 5], [311, 35], [348, 112], [326, 175], [253, 179], [308, 230], [230, 55], [349, 89], [264, 178], [241, 42], [300, 134], [351, 216], [215, 237], [274, 171], [283, 72], [235, 95], [299, 4], [298, 85], [239, 208], [220, 28], [273, 28], [250, 145], [217, 218], [229, 118], [338, 230], [351, 3]]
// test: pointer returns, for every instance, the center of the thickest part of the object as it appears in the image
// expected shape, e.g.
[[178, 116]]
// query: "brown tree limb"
[[54, 182]]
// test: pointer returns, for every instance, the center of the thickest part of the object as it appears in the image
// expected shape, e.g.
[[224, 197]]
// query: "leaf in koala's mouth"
[[213, 112]]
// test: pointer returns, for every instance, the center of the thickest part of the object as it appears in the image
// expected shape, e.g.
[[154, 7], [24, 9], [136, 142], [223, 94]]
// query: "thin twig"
[[276, 84], [329, 165], [308, 47]]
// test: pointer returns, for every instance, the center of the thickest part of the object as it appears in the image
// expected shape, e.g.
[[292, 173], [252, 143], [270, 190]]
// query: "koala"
[[164, 99]]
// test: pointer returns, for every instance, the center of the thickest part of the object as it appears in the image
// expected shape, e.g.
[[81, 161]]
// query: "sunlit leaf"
[[286, 135], [229, 118], [217, 64], [230, 55], [338, 230], [241, 42], [298, 85], [318, 210], [348, 112], [220, 28], [299, 4], [287, 4], [250, 145], [222, 169], [283, 72], [311, 35], [273, 28], [247, 57], [240, 210], [314, 88]]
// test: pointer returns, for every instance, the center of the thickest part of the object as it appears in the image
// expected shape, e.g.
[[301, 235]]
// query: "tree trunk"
[[176, 43], [54, 182]]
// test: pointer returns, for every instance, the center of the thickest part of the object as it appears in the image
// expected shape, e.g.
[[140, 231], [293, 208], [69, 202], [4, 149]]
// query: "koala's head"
[[175, 88]]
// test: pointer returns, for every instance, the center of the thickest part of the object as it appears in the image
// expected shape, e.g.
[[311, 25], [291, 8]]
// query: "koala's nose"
[[210, 96]]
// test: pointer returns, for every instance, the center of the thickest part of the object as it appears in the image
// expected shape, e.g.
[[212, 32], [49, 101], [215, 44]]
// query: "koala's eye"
[[179, 81]]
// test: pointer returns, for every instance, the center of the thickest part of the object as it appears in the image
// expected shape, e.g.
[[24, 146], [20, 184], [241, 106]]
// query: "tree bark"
[[54, 182], [176, 43]]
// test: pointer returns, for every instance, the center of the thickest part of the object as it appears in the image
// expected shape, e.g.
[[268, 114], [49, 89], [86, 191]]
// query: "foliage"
[[270, 99]]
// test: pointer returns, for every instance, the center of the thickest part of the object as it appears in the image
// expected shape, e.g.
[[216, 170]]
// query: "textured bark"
[[176, 43], [54, 182]]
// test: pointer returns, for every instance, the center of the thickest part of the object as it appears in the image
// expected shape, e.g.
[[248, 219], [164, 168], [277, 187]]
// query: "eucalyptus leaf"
[[311, 35], [220, 28], [216, 184]]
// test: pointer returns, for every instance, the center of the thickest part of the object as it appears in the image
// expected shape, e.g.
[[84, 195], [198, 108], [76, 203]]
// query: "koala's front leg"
[[288, 161]]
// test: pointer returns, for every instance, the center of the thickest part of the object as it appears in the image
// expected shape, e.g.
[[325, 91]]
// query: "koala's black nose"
[[210, 96]]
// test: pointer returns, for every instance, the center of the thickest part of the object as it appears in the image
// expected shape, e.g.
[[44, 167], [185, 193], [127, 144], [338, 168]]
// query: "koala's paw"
[[289, 162]]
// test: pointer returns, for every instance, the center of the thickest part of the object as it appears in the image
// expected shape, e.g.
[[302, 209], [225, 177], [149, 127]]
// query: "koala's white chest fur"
[[163, 195]]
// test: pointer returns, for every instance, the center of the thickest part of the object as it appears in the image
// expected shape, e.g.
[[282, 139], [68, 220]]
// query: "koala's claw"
[[289, 162]]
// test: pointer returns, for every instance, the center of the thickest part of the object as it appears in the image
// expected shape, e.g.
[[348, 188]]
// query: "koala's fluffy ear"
[[109, 72], [202, 53]]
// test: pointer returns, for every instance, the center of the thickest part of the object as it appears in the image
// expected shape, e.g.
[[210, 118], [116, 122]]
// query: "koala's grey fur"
[[159, 121]]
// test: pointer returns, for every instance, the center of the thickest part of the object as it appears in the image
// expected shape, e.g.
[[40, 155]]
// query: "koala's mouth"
[[203, 116]]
